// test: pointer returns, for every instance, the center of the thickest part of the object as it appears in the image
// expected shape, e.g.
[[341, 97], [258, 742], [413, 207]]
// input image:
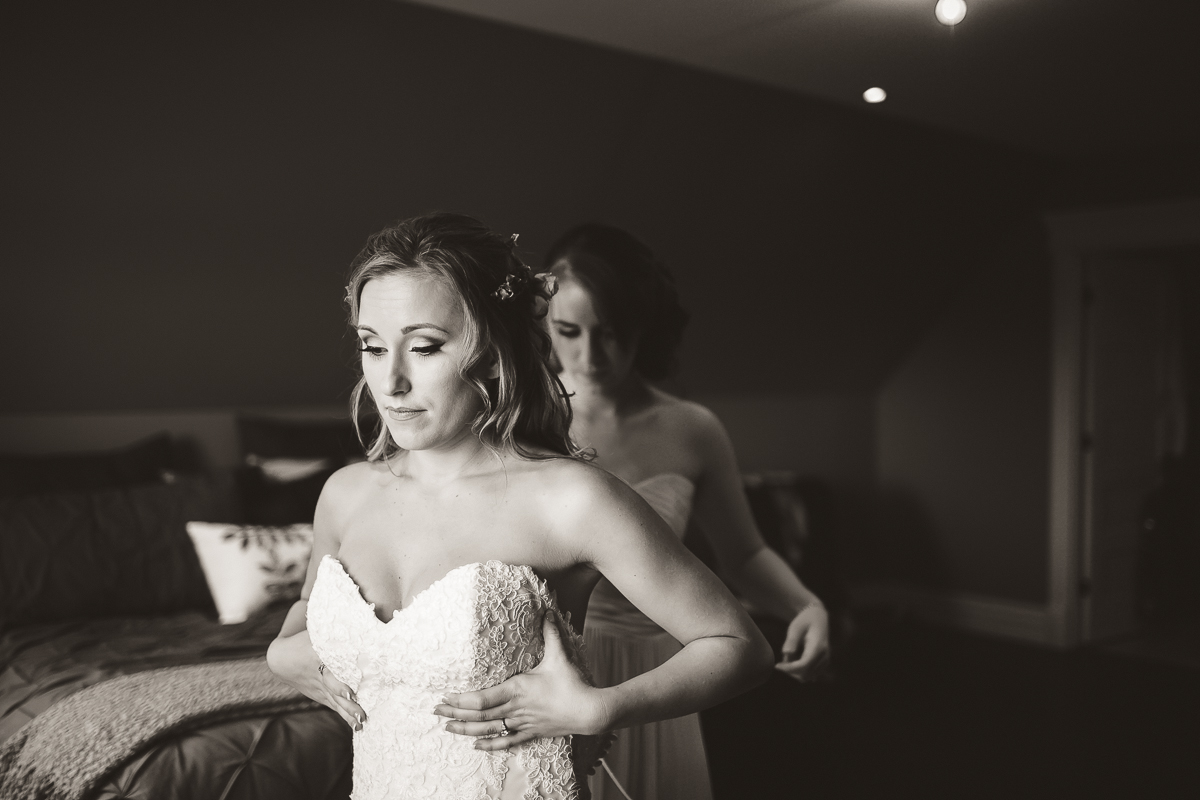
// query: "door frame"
[[1073, 236]]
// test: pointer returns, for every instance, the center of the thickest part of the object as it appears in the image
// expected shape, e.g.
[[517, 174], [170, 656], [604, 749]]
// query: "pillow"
[[139, 463], [248, 567], [110, 553], [290, 470], [288, 462], [268, 502]]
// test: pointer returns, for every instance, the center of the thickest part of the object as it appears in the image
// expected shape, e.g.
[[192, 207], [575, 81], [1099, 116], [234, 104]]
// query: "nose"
[[397, 382], [597, 356]]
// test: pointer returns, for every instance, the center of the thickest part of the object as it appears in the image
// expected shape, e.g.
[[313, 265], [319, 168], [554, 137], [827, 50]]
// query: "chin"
[[405, 439], [415, 438]]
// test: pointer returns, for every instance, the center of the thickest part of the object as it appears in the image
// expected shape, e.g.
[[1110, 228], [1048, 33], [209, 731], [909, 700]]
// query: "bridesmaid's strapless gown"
[[661, 760], [474, 628]]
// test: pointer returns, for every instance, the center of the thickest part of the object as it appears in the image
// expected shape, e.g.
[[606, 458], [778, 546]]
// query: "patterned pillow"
[[248, 567]]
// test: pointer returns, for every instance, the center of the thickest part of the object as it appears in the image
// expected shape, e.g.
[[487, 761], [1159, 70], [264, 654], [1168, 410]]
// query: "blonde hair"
[[525, 408]]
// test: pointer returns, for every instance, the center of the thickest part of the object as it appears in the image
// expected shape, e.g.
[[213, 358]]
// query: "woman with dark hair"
[[615, 324], [447, 567]]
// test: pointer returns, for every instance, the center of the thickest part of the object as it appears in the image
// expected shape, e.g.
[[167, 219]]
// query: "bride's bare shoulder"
[[350, 487], [564, 474], [569, 495]]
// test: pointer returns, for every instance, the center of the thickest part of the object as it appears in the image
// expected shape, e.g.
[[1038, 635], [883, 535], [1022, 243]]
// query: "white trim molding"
[[993, 616]]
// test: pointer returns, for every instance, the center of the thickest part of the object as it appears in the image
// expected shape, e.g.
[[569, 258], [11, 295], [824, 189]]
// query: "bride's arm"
[[723, 651], [610, 527], [291, 656]]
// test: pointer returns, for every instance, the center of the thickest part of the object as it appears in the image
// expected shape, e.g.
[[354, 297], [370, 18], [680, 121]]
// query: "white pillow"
[[250, 566], [289, 470]]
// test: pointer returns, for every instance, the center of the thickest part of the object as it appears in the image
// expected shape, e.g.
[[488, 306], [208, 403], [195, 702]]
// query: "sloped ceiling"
[[1066, 78]]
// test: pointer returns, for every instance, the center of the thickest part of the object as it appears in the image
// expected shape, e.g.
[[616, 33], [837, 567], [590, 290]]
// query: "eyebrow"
[[407, 328]]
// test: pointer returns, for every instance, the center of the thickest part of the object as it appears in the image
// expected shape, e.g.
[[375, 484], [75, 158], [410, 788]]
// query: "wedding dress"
[[473, 628], [660, 760]]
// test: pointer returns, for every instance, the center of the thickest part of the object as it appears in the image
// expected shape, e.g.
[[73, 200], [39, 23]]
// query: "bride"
[[460, 556]]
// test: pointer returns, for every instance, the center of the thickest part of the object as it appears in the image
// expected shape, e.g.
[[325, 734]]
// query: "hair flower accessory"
[[514, 282], [522, 281], [547, 287]]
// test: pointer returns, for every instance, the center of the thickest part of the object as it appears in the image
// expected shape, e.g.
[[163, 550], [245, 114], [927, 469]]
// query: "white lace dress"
[[661, 760], [474, 628]]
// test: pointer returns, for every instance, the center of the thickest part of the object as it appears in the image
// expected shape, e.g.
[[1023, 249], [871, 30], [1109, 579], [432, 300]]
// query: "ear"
[[489, 367]]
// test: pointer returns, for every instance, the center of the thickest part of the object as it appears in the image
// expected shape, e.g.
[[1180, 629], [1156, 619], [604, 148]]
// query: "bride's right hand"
[[294, 661], [341, 698]]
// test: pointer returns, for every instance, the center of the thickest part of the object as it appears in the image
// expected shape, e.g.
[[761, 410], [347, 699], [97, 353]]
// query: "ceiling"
[[1067, 78]]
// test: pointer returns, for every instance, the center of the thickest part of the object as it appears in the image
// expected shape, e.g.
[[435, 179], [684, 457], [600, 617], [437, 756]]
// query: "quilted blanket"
[[105, 724]]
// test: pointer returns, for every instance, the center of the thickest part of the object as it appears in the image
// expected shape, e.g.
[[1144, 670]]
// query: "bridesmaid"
[[615, 324]]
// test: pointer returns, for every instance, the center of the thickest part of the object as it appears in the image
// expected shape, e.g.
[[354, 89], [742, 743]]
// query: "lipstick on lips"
[[402, 414]]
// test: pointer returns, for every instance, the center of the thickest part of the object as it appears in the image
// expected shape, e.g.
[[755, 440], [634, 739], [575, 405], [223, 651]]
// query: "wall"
[[1129, 178], [184, 186], [831, 435], [963, 427]]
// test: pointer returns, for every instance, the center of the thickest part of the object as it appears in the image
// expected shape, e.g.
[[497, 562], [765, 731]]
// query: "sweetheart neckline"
[[397, 612]]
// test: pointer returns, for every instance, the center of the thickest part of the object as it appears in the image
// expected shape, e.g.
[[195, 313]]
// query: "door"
[[1130, 420]]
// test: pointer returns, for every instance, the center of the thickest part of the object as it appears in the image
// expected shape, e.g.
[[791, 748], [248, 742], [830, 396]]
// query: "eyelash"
[[377, 352], [571, 334]]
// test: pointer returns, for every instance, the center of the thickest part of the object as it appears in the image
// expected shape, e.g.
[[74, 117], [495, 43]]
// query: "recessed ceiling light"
[[950, 12], [874, 95]]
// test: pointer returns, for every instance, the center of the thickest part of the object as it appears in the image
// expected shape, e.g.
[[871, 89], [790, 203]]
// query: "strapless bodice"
[[670, 494], [473, 628]]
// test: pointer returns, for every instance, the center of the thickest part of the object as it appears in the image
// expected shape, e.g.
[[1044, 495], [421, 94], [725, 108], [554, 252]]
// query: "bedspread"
[[282, 754]]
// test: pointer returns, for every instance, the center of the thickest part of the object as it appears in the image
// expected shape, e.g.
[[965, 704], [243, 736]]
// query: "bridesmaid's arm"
[[723, 515]]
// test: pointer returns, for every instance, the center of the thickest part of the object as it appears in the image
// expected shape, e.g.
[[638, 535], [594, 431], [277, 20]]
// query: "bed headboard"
[[206, 438]]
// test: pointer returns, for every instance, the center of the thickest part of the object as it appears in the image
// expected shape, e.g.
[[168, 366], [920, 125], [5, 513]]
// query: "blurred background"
[[967, 313]]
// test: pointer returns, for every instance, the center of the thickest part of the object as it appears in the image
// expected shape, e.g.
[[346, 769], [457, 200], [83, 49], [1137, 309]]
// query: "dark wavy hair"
[[526, 405], [633, 291]]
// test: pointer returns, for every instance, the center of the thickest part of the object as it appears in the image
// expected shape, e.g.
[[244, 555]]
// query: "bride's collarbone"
[[406, 544]]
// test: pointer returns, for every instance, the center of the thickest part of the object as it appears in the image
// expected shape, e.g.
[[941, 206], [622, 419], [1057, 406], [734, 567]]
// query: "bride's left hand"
[[552, 699]]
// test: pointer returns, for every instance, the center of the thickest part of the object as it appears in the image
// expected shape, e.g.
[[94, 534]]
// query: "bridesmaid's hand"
[[552, 699], [806, 648]]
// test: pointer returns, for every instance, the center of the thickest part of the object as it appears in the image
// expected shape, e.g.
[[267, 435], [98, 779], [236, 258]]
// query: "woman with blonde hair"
[[451, 570]]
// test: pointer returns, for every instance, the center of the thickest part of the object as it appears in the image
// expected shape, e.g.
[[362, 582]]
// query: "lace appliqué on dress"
[[476, 627]]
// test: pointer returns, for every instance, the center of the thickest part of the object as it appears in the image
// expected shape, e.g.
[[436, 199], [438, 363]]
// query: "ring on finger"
[[321, 668], [504, 731]]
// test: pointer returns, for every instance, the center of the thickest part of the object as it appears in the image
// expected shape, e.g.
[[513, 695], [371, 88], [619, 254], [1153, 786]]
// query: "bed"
[[117, 679], [105, 605]]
